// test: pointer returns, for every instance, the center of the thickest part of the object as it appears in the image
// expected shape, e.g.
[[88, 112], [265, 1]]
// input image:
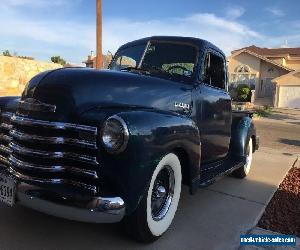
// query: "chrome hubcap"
[[162, 193]]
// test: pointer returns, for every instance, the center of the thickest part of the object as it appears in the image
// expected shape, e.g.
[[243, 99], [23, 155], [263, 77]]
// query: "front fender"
[[152, 135], [9, 103]]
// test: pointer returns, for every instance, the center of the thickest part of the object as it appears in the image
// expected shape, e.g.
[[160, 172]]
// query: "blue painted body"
[[205, 138]]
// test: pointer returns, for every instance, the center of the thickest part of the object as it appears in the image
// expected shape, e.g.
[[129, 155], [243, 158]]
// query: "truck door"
[[213, 108]]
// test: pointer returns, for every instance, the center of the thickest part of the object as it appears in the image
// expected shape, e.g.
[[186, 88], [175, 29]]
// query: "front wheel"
[[157, 209], [243, 171]]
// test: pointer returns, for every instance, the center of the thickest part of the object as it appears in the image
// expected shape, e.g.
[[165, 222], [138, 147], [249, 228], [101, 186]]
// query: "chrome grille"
[[49, 152]]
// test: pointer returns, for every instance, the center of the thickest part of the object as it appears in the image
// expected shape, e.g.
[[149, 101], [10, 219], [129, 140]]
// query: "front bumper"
[[84, 209]]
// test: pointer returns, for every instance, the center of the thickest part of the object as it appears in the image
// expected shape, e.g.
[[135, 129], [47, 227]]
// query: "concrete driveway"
[[214, 218]]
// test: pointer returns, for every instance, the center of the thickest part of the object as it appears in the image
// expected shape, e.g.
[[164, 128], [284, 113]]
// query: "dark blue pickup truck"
[[116, 145]]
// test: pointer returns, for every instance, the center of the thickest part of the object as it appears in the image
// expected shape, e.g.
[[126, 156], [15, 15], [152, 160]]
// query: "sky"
[[44, 28]]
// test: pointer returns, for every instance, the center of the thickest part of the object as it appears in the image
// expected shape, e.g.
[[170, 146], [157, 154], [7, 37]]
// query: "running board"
[[218, 170]]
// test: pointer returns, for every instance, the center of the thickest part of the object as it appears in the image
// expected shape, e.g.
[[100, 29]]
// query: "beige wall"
[[244, 58], [16, 72], [293, 64], [276, 72], [279, 60]]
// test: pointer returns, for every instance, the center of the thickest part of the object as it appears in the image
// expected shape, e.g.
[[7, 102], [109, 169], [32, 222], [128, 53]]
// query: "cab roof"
[[200, 43]]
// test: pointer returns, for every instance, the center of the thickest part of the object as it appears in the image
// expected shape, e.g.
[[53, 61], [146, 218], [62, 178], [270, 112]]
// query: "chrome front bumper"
[[92, 210]]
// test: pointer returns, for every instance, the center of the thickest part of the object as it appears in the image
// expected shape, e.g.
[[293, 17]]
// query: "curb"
[[295, 164]]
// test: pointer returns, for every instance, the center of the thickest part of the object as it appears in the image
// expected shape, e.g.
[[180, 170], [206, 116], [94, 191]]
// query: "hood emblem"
[[31, 104]]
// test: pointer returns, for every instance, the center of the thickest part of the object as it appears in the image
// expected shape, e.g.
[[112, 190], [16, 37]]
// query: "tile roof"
[[271, 52], [290, 79]]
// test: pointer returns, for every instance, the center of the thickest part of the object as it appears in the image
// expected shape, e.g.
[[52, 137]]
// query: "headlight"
[[115, 135]]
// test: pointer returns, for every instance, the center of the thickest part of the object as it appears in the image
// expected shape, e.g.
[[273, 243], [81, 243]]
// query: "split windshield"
[[166, 59]]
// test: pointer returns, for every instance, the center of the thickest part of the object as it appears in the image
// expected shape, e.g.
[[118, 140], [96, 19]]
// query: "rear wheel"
[[243, 171], [158, 207]]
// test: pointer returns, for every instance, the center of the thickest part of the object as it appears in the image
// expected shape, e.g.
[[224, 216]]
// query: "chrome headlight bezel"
[[124, 132]]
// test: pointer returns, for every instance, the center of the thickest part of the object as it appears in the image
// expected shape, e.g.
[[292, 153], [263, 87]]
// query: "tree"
[[6, 53], [59, 60]]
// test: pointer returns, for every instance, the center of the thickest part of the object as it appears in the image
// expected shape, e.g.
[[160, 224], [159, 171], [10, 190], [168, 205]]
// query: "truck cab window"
[[214, 71]]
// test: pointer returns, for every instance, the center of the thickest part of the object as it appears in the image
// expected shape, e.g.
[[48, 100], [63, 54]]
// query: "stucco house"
[[91, 61], [274, 74]]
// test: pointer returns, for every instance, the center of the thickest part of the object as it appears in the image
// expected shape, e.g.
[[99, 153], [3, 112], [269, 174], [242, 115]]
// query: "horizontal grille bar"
[[45, 152], [5, 138], [16, 148], [51, 140], [51, 169], [5, 150], [6, 126], [4, 160], [52, 181], [7, 115], [52, 125]]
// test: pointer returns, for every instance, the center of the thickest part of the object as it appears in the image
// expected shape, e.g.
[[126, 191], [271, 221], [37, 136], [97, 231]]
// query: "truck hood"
[[74, 91]]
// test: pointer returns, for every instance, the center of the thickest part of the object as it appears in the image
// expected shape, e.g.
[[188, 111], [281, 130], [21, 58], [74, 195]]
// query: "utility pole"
[[99, 56]]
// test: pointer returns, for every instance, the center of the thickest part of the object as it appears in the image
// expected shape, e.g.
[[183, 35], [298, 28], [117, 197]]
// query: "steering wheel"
[[177, 67]]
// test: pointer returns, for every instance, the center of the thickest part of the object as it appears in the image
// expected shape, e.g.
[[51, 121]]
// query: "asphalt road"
[[214, 218], [281, 130]]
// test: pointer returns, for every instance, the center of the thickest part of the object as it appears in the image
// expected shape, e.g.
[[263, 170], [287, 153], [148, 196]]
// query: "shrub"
[[6, 53], [243, 93]]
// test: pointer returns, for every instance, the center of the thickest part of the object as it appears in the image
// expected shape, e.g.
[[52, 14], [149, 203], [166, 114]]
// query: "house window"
[[242, 75], [242, 69]]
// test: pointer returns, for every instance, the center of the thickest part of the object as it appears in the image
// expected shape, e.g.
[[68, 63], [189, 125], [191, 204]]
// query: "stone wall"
[[16, 72]]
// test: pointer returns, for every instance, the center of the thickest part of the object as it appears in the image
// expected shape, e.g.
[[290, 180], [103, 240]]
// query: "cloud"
[[51, 32], [42, 37], [275, 11], [74, 40], [34, 3], [235, 12], [226, 34]]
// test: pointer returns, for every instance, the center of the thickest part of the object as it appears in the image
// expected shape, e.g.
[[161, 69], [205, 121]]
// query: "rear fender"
[[241, 133]]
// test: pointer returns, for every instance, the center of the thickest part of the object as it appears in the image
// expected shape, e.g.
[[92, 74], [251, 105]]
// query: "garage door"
[[289, 97]]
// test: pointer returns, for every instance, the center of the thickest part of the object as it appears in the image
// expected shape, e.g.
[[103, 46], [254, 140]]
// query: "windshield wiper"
[[133, 68]]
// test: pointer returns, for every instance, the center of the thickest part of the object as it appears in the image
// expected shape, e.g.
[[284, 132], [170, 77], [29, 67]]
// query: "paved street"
[[281, 130], [214, 218]]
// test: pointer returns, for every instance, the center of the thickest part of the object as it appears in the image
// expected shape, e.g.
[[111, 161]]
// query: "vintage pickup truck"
[[105, 146]]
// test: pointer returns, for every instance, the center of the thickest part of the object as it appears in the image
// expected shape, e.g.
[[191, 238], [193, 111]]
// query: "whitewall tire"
[[156, 211], [244, 170]]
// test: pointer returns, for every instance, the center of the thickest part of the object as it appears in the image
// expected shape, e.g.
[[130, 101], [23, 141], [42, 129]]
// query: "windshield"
[[128, 57], [166, 59]]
